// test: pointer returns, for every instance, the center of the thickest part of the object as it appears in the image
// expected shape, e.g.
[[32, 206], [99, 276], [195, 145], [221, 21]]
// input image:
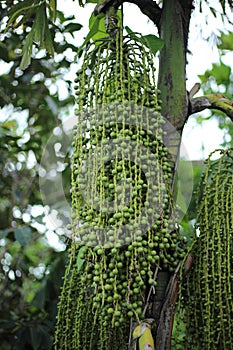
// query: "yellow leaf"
[[143, 332], [146, 341], [9, 124], [137, 332]]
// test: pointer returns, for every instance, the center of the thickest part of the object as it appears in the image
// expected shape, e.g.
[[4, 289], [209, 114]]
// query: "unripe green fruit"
[[117, 313], [110, 310]]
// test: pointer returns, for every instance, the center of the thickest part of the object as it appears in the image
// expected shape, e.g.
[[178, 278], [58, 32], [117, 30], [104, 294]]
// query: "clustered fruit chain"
[[123, 222], [206, 305]]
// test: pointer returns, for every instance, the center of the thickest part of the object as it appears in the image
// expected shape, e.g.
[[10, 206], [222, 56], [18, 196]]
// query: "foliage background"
[[33, 104]]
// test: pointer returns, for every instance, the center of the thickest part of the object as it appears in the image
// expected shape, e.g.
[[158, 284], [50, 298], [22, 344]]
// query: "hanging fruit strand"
[[122, 222], [206, 300]]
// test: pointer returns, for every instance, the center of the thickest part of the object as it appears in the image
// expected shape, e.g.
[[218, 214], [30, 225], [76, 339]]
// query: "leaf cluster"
[[39, 20]]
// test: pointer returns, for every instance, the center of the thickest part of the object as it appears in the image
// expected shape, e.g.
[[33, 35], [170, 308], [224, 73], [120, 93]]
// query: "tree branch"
[[150, 9], [164, 329], [147, 7], [213, 101]]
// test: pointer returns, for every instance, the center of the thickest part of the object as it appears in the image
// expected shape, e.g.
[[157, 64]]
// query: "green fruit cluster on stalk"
[[207, 296], [122, 224]]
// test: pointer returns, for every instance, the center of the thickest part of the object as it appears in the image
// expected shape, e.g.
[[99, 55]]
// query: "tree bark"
[[172, 71], [174, 26]]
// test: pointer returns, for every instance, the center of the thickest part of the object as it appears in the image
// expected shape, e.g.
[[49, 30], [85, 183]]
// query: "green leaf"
[[101, 33], [23, 235], [213, 11], [72, 27], [95, 25], [42, 32], [220, 72], [26, 17], [27, 50], [48, 42], [18, 9], [226, 41], [39, 33], [151, 41], [40, 24], [92, 32], [62, 18], [130, 32], [53, 7]]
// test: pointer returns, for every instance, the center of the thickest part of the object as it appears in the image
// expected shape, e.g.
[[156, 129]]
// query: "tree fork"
[[147, 7]]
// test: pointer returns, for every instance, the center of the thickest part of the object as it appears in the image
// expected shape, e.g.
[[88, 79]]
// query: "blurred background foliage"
[[219, 79], [35, 97]]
